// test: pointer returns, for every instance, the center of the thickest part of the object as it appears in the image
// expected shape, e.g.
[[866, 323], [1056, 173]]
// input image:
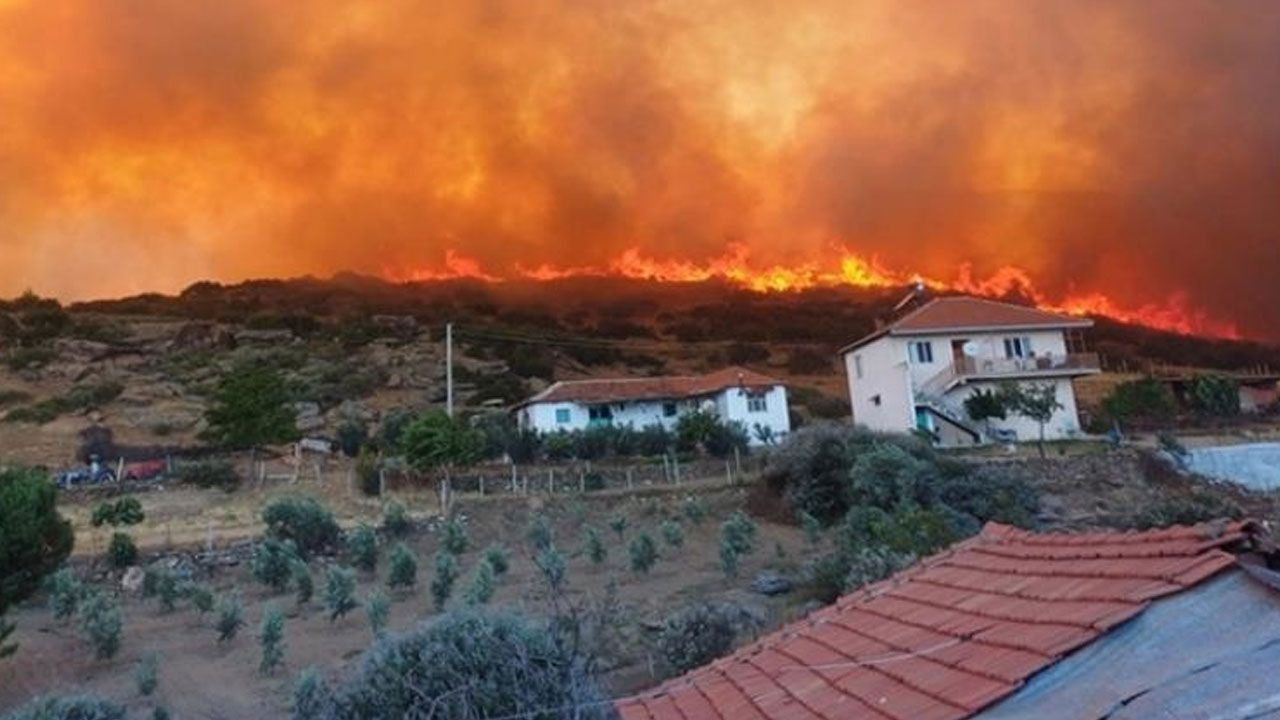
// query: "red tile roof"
[[672, 387], [951, 635], [964, 313]]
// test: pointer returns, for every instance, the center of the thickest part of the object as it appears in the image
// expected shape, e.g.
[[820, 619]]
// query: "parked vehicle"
[[145, 470], [95, 473]]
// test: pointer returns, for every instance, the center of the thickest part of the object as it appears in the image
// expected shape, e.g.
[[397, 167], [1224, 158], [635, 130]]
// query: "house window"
[[756, 403], [600, 413], [562, 416], [1017, 347], [857, 366], [922, 352], [668, 409]]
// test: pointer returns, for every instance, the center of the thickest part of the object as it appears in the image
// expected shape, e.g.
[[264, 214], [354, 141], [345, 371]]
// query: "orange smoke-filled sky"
[[1124, 148]]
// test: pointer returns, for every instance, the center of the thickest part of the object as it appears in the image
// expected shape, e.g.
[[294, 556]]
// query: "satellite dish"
[[970, 348]]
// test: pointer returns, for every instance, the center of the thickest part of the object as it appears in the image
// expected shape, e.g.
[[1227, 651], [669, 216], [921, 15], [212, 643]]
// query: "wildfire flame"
[[851, 269]]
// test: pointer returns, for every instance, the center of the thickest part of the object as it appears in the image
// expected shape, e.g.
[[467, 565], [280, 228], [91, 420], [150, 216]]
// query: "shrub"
[[65, 593], [121, 552], [101, 622], [1214, 396], [695, 509], [74, 707], [378, 607], [303, 584], [404, 567], [395, 519], [539, 533], [230, 616], [250, 408], [362, 547], [834, 574], [653, 440], [201, 597], [740, 532], [595, 548], [125, 511], [164, 583], [446, 572], [497, 557], [303, 520], [618, 524], [672, 533], [210, 474], [34, 538], [643, 552], [1143, 399], [272, 563], [990, 493], [368, 474], [553, 567], [514, 669], [483, 584], [696, 635], [1187, 510], [312, 697], [812, 528], [352, 435], [453, 537], [271, 640], [435, 440], [339, 591], [146, 674], [726, 437]]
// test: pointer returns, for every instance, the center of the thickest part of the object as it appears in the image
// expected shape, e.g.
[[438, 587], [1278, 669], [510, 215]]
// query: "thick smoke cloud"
[[1128, 148]]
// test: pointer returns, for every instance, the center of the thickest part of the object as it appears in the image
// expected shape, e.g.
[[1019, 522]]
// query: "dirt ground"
[[200, 678]]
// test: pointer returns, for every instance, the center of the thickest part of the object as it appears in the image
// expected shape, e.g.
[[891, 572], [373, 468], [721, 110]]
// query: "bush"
[[164, 585], [835, 574], [446, 572], [368, 474], [312, 698], [483, 584], [697, 635], [200, 596], [271, 640], [643, 552], [672, 533], [539, 533], [395, 519], [737, 538], [303, 584], [653, 440], [101, 622], [272, 563], [304, 521], [339, 591], [497, 557], [146, 675], [695, 509], [352, 436], [362, 547], [121, 552], [34, 538], [210, 474], [453, 537], [230, 616], [74, 707], [1187, 510], [1145, 399], [65, 593], [1214, 396], [595, 548], [514, 669], [404, 567], [125, 511], [553, 566], [378, 607], [618, 524]]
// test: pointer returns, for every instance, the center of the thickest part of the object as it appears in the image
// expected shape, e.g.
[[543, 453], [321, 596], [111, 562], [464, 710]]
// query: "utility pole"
[[448, 368]]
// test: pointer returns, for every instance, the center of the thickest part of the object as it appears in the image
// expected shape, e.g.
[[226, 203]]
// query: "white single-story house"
[[733, 394], [916, 372]]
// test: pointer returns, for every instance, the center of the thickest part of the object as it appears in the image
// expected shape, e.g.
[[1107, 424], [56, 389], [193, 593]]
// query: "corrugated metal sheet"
[[1212, 651]]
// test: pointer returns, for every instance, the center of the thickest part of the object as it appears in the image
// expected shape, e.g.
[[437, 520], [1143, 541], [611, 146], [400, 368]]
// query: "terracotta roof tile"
[[971, 313], [671, 387], [951, 635]]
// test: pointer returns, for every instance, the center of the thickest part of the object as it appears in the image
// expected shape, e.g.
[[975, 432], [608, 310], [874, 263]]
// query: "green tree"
[[1215, 396], [595, 548], [250, 408], [453, 536], [672, 533], [1143, 399], [378, 607], [271, 640], [200, 596], [34, 539], [498, 557], [483, 584], [65, 593], [362, 546], [539, 533], [230, 616], [438, 442], [340, 591], [1037, 402], [101, 622], [272, 563], [643, 552], [986, 405], [303, 520], [446, 572], [146, 676], [403, 567], [618, 523], [395, 519], [312, 697], [125, 511], [121, 552], [303, 585]]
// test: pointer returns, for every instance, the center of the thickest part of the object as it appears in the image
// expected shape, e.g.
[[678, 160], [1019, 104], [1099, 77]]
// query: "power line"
[[517, 337]]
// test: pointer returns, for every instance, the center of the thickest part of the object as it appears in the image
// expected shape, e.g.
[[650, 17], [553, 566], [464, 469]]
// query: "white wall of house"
[[886, 374], [733, 404], [880, 392]]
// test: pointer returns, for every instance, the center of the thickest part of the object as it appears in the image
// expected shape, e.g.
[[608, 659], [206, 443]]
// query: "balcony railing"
[[987, 367]]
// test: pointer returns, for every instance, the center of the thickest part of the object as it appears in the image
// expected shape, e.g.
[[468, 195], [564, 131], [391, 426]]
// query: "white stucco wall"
[[730, 405], [989, 345], [1064, 424], [885, 377]]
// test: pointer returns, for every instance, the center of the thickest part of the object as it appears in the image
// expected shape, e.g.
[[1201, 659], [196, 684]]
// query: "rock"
[[309, 424], [770, 583], [306, 409], [395, 380], [132, 580]]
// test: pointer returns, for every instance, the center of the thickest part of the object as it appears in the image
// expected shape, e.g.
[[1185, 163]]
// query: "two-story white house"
[[733, 394], [916, 372]]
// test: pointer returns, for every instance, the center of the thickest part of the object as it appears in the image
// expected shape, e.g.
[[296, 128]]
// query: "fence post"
[[582, 481], [382, 482], [675, 466], [728, 472], [513, 478], [737, 459], [551, 481], [628, 478], [482, 486], [666, 476]]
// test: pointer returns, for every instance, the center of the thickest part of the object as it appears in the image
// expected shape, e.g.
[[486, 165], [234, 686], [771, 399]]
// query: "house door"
[[957, 353]]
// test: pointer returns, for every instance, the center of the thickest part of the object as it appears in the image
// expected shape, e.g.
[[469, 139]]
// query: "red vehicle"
[[146, 470]]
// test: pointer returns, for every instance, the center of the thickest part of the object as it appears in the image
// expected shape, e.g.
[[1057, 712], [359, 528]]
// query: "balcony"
[[996, 367]]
